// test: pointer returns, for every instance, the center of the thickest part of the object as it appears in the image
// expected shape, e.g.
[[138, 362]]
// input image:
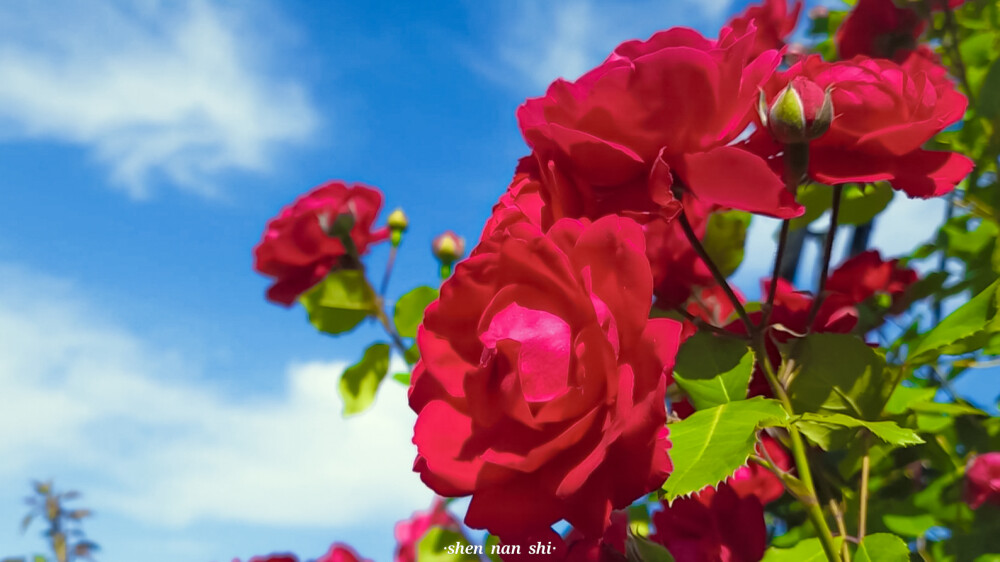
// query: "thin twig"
[[827, 254], [719, 277]]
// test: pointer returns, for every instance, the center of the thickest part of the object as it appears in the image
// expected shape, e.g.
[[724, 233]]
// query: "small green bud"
[[801, 112]]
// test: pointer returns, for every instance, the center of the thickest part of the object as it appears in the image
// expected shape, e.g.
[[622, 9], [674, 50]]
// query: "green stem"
[[388, 271], [719, 277], [863, 510], [811, 501]]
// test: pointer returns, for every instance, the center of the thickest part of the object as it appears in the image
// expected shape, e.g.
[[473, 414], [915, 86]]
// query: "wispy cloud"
[[530, 44], [174, 91], [147, 438]]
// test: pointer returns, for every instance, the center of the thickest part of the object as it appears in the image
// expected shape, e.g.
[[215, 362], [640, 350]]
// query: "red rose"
[[656, 114], [541, 385], [773, 20], [884, 115], [881, 29], [409, 532], [982, 480], [866, 274], [720, 528], [298, 252]]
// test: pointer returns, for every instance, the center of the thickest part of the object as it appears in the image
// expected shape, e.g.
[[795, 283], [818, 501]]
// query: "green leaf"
[[838, 373], [713, 370], [725, 236], [402, 378], [339, 302], [861, 204], [989, 93], [816, 199], [967, 329], [641, 549], [435, 544], [709, 445], [809, 550], [903, 396], [887, 431], [882, 547], [409, 311], [360, 382]]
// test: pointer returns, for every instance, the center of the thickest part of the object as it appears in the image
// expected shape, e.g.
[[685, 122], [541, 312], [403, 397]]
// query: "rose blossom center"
[[543, 358]]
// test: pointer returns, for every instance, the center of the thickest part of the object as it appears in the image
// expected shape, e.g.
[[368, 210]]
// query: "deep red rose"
[[721, 528], [867, 274], [773, 20], [408, 533], [540, 390], [881, 29], [657, 114], [884, 115], [982, 480], [296, 250]]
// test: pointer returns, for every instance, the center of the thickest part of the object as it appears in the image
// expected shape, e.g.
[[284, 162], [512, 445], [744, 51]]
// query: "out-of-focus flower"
[[982, 480], [409, 532], [307, 239]]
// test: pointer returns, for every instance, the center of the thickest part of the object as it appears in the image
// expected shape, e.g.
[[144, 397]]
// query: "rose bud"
[[448, 247], [801, 112], [982, 480], [398, 223]]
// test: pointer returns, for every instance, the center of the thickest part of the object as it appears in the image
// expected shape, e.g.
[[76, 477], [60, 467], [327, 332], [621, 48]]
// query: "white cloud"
[[533, 43], [155, 90], [146, 438]]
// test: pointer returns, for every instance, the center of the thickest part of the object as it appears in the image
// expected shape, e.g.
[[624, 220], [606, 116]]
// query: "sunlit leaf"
[[709, 445], [340, 302], [882, 547], [409, 311], [360, 382]]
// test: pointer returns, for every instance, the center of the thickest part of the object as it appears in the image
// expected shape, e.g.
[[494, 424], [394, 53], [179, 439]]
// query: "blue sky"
[[142, 148]]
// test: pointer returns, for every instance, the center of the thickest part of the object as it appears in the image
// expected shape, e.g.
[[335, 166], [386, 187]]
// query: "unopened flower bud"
[[801, 112], [448, 247], [398, 223]]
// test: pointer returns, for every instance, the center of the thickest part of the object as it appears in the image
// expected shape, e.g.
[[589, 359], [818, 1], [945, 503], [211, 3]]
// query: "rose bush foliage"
[[590, 367]]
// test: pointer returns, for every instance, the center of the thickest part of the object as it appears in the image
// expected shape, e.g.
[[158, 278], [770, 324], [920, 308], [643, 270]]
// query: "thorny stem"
[[827, 254], [719, 277]]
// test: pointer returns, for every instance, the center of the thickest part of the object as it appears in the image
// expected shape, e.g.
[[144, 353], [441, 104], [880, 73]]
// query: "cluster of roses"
[[543, 381]]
